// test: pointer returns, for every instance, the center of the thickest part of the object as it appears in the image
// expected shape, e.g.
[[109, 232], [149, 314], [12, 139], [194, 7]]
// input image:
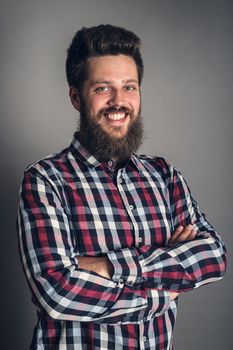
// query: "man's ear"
[[74, 97]]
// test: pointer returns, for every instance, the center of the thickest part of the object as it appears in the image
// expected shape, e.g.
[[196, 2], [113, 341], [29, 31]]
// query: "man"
[[108, 238]]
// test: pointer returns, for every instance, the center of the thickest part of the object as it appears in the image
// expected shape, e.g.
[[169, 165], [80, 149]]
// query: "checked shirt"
[[72, 205]]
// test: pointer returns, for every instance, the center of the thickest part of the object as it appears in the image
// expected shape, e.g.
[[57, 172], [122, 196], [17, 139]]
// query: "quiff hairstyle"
[[102, 40]]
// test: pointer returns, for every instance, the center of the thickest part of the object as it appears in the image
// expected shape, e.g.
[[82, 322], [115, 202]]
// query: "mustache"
[[114, 109]]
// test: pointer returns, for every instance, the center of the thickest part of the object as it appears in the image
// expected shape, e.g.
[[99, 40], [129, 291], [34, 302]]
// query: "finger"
[[184, 231], [176, 233], [193, 234], [184, 234]]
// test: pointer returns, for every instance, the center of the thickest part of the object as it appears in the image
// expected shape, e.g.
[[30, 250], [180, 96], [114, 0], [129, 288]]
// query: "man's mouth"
[[116, 116]]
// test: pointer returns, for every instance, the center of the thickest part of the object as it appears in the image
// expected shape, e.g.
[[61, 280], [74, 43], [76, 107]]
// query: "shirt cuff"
[[158, 303], [127, 268]]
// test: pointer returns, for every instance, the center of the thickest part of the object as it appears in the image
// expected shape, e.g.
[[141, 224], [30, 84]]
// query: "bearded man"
[[109, 239]]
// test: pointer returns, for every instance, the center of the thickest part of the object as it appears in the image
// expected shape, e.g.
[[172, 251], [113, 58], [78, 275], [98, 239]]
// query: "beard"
[[101, 144]]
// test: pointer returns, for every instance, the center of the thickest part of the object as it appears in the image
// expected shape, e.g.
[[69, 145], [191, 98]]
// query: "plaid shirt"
[[72, 205]]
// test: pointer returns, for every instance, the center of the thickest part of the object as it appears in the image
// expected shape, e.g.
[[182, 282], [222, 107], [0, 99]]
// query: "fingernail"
[[180, 228]]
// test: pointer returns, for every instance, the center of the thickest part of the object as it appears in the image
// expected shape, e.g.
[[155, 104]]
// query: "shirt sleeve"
[[185, 265], [60, 288]]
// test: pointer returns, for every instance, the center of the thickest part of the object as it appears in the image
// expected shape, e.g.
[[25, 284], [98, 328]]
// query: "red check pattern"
[[71, 205]]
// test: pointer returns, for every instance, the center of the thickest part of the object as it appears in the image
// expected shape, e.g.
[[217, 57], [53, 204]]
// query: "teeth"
[[116, 116]]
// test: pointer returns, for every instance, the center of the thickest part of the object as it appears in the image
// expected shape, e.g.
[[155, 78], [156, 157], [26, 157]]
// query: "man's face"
[[112, 93], [109, 106]]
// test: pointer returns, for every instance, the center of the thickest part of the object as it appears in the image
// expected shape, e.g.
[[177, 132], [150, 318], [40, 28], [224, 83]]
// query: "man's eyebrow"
[[110, 82], [102, 82], [130, 81]]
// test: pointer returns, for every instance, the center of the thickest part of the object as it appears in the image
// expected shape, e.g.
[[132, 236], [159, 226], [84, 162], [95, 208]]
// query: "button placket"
[[141, 335], [122, 184], [150, 315]]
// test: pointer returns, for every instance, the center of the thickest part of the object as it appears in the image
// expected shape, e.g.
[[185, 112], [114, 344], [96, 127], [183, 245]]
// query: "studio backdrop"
[[187, 111]]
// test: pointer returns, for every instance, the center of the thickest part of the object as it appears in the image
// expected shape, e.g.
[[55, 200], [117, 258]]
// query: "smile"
[[116, 116]]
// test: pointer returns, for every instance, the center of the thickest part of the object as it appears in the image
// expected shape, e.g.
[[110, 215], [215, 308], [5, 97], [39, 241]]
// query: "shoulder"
[[49, 165], [161, 167], [160, 164], [165, 170]]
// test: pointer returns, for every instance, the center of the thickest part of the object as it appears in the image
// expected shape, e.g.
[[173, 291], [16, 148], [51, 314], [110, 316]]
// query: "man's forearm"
[[100, 265], [106, 268], [103, 267]]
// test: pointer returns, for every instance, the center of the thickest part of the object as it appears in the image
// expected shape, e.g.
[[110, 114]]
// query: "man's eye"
[[102, 89], [130, 88]]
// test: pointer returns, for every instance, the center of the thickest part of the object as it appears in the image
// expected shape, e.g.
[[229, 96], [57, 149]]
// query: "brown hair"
[[99, 41]]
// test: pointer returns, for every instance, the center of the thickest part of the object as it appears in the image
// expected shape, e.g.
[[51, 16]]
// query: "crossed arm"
[[140, 281], [104, 267]]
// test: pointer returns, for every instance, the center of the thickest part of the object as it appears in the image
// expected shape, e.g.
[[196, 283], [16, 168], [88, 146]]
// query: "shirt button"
[[144, 338], [158, 314], [119, 181], [131, 207], [120, 283], [110, 163], [160, 286], [140, 239]]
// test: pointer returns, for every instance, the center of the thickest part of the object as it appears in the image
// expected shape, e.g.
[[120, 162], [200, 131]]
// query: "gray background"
[[187, 108]]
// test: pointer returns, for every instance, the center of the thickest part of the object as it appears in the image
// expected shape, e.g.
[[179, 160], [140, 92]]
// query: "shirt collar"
[[80, 152]]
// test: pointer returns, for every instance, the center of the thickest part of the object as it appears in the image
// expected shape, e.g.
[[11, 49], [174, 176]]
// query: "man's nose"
[[116, 98]]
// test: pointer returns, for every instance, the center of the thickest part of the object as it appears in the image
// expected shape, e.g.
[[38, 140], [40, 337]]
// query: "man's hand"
[[183, 234], [174, 295], [100, 265]]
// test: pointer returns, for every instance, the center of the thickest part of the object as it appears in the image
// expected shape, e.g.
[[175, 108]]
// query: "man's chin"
[[105, 141], [116, 132]]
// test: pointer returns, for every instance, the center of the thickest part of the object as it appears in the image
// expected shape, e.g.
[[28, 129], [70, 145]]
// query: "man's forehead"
[[108, 68]]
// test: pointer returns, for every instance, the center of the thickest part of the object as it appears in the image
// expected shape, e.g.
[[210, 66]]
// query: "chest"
[[109, 213]]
